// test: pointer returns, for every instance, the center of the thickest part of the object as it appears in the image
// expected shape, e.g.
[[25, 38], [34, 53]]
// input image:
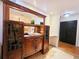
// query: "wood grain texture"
[[32, 45], [69, 48], [7, 5], [25, 9]]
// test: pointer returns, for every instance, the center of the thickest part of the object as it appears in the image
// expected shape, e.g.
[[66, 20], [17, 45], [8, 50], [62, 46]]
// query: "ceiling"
[[55, 6]]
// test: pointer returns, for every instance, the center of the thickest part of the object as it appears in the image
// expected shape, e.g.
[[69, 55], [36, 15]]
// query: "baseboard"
[[52, 45], [53, 40]]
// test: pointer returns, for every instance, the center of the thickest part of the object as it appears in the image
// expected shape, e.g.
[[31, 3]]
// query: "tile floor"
[[56, 53]]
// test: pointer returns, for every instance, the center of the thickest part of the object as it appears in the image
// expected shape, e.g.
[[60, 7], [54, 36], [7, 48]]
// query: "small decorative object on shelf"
[[32, 21], [41, 23]]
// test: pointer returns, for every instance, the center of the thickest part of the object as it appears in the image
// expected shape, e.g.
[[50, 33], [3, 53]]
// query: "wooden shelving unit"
[[37, 43]]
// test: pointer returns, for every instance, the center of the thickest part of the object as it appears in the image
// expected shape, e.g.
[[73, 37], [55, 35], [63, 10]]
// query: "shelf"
[[32, 25], [32, 35]]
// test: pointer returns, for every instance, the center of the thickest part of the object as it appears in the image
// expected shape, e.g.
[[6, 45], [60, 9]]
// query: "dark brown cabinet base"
[[16, 54], [32, 45]]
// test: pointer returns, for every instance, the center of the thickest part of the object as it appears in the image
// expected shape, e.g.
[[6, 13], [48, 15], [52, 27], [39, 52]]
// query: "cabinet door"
[[28, 47], [38, 43], [15, 36]]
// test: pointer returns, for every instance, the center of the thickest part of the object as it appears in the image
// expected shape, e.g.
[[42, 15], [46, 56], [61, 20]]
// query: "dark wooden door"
[[68, 31]]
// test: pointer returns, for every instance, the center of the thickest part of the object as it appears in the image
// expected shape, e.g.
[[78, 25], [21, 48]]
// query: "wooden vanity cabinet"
[[32, 45]]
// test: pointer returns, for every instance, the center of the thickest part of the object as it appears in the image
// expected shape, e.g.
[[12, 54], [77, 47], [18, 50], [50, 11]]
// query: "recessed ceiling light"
[[67, 15]]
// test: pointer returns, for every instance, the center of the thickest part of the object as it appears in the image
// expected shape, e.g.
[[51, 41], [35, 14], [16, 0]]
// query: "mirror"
[[28, 18]]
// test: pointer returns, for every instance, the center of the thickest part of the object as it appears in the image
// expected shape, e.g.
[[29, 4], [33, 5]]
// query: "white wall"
[[47, 20], [54, 29], [54, 22], [1, 25], [71, 18], [77, 37], [54, 25]]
